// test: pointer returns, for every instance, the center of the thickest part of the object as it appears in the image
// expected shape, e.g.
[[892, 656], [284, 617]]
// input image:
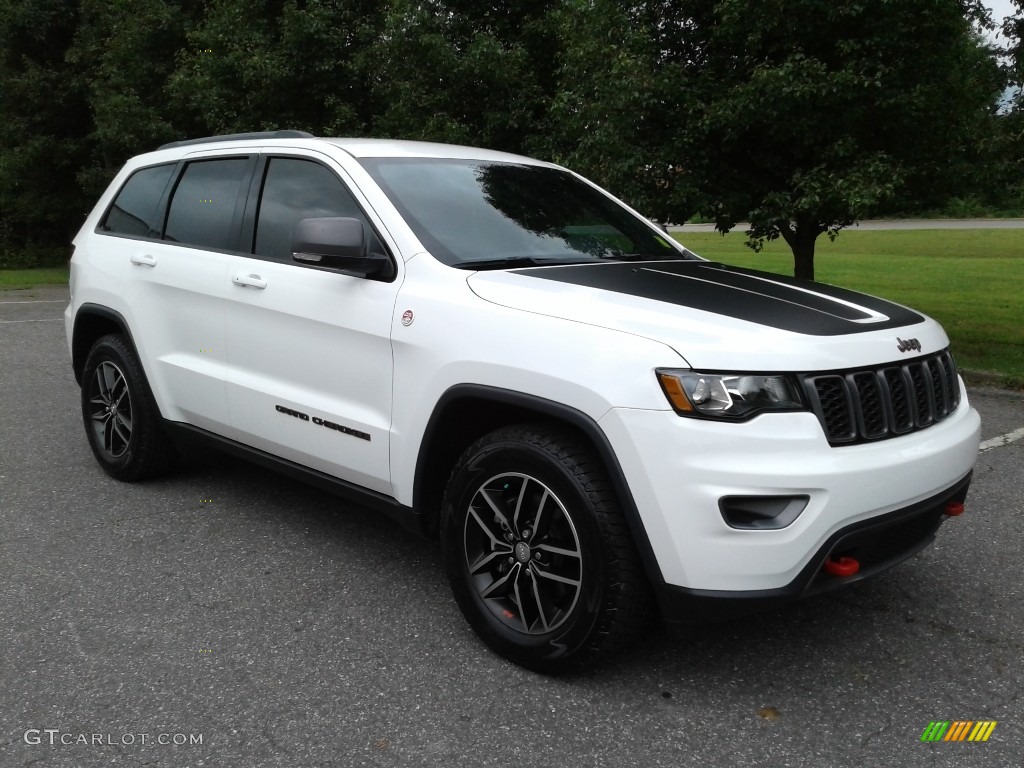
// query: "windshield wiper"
[[674, 256], [514, 262]]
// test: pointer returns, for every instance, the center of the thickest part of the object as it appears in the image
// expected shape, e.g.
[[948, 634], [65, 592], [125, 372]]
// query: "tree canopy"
[[800, 116], [812, 114]]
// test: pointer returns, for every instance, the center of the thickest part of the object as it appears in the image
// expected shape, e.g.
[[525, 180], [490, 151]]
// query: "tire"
[[120, 416], [537, 551]]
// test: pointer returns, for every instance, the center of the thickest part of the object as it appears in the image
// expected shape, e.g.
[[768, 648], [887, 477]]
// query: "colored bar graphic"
[[958, 730], [935, 731], [982, 730]]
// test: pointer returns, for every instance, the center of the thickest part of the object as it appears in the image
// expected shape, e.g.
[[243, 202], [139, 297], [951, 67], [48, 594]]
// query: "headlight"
[[733, 396]]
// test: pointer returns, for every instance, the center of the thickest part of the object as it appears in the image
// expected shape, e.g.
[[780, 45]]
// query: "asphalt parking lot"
[[227, 617]]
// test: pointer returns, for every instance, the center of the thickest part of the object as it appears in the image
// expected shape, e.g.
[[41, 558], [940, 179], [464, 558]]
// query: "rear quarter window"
[[134, 211]]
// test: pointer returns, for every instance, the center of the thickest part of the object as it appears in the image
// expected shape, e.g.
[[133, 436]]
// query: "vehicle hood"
[[719, 317]]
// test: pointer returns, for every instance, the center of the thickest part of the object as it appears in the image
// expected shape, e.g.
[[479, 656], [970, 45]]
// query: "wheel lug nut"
[[527, 533], [511, 560]]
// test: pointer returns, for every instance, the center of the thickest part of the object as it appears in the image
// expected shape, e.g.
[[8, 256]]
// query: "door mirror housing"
[[339, 243]]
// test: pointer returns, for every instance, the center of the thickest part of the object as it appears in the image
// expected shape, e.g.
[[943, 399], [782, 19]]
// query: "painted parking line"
[[37, 301], [997, 442], [45, 320]]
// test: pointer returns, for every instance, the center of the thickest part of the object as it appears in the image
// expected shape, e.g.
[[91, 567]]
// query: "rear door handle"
[[143, 260], [249, 281]]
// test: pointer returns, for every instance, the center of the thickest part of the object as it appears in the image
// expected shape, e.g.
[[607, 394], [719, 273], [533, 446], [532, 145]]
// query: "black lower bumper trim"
[[877, 544]]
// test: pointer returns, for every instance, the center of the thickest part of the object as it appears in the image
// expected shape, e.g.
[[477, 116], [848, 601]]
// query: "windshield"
[[484, 215]]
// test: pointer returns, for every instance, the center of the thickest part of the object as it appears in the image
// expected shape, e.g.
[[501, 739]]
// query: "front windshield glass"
[[485, 215]]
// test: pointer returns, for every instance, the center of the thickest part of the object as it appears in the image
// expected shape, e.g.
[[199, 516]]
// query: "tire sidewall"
[[538, 651]]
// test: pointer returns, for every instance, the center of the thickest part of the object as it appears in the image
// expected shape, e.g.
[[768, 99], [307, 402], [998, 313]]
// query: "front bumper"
[[877, 544], [678, 470]]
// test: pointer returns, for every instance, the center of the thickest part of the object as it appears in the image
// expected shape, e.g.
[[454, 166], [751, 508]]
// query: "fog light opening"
[[761, 513]]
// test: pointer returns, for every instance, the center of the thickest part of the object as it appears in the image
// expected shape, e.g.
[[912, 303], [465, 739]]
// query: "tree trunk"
[[801, 236]]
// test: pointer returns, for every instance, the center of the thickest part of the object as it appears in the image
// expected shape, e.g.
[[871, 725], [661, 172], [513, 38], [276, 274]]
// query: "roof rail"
[[240, 137]]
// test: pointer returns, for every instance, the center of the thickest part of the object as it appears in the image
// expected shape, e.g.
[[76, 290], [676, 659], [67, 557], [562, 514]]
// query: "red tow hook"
[[844, 566], [954, 508]]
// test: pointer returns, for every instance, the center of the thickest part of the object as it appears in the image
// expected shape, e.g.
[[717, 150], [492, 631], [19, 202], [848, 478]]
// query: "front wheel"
[[537, 552]]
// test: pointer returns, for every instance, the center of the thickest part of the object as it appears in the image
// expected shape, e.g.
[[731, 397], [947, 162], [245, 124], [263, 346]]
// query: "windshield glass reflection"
[[477, 215]]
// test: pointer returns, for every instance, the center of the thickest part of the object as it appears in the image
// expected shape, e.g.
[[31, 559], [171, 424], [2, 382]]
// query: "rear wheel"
[[120, 417], [537, 552]]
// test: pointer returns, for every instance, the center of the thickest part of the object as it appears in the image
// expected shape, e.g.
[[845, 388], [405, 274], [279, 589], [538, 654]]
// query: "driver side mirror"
[[339, 243]]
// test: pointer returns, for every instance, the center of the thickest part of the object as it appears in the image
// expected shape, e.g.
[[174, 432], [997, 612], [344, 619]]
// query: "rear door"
[[309, 364], [175, 244]]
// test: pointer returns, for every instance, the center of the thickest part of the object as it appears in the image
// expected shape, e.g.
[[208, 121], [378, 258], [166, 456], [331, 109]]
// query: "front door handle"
[[143, 260], [249, 281]]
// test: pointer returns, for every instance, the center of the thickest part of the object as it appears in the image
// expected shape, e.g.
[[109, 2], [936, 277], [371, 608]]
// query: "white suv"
[[597, 423]]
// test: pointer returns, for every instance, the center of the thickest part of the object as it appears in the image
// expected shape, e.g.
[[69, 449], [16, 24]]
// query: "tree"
[[800, 116], [43, 122], [466, 72], [84, 90], [121, 59], [280, 64], [1013, 30], [1012, 121], [810, 114], [618, 115]]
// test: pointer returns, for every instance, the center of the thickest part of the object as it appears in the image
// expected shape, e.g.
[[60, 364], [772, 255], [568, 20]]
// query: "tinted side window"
[[301, 189], [203, 207], [134, 209]]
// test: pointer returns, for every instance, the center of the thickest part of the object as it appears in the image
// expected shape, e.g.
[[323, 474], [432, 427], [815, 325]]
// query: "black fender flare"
[[79, 350], [557, 411]]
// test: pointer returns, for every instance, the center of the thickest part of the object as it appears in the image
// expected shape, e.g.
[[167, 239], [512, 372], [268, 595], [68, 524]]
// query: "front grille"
[[877, 403]]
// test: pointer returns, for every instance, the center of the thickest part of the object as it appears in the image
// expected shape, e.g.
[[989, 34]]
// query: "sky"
[[1000, 8]]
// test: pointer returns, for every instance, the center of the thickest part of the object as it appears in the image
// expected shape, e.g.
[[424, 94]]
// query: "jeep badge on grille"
[[903, 345]]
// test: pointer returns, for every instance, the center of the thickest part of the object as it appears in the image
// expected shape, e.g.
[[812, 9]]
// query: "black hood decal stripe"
[[866, 317], [757, 297]]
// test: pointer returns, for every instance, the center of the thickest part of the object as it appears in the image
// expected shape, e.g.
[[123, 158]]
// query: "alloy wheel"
[[523, 553], [111, 409]]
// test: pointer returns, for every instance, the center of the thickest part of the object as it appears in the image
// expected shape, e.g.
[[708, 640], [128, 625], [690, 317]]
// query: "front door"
[[309, 364]]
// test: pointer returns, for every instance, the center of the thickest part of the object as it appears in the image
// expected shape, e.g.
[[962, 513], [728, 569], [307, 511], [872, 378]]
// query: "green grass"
[[30, 278], [970, 280]]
